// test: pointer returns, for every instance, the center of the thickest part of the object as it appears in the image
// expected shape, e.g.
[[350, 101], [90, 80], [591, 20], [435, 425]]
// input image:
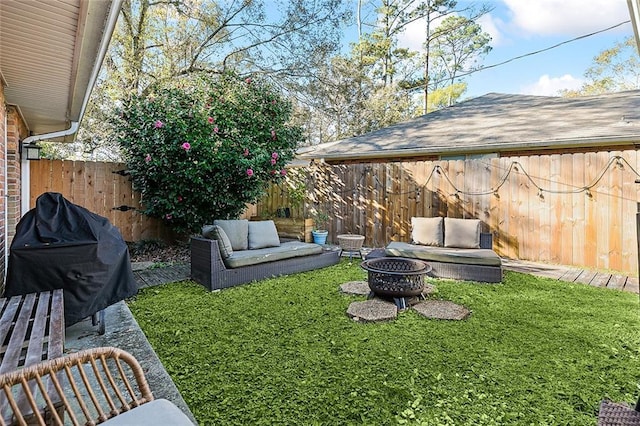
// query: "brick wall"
[[16, 131], [3, 186]]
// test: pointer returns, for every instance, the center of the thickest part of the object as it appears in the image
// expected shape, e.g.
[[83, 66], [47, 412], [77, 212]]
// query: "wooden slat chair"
[[100, 385]]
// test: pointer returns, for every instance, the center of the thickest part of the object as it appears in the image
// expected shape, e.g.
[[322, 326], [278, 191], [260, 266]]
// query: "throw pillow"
[[427, 231], [263, 234], [237, 230], [214, 232], [461, 233], [207, 232]]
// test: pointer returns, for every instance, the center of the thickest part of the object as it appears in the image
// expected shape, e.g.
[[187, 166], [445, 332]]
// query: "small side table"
[[351, 243]]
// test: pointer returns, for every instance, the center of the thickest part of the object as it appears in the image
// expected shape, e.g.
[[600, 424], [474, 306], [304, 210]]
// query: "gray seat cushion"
[[484, 257], [263, 234], [286, 250], [214, 232], [156, 412], [237, 230]]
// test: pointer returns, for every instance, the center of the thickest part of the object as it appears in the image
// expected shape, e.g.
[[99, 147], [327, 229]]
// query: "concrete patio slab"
[[358, 288], [372, 310], [122, 331], [442, 309]]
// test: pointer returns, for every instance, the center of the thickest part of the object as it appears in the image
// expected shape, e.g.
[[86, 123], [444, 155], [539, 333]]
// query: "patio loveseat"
[[234, 252], [455, 248]]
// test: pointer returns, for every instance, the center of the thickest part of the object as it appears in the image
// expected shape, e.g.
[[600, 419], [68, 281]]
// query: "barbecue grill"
[[59, 244]]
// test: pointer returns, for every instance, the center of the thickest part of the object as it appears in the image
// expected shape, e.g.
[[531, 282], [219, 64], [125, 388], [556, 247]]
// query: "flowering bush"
[[202, 148]]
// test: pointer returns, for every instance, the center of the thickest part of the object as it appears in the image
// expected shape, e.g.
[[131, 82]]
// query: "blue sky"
[[518, 27]]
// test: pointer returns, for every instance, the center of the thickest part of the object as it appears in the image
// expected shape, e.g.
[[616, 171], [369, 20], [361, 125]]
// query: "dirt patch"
[[157, 251]]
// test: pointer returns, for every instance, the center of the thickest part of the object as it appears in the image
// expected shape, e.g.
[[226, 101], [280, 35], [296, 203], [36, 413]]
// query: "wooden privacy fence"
[[572, 209], [98, 188]]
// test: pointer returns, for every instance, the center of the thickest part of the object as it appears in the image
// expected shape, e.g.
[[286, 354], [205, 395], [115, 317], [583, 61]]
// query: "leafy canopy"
[[202, 147]]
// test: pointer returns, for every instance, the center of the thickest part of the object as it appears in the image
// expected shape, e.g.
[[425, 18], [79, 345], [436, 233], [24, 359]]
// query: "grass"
[[282, 351]]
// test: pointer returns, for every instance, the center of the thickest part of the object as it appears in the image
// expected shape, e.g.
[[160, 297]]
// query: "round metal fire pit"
[[396, 276]]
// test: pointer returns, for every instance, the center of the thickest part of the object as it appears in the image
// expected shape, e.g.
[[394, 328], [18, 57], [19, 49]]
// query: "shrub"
[[202, 148]]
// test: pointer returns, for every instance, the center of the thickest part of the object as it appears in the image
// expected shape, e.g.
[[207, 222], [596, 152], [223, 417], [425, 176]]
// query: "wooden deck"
[[573, 274], [156, 276]]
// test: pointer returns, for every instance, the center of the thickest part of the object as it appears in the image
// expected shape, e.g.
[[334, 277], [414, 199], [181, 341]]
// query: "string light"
[[616, 161]]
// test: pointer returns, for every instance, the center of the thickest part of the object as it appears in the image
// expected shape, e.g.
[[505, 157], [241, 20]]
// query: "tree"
[[157, 41], [202, 147], [614, 70], [459, 46]]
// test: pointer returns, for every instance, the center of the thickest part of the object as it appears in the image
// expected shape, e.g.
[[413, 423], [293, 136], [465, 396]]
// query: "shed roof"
[[500, 123]]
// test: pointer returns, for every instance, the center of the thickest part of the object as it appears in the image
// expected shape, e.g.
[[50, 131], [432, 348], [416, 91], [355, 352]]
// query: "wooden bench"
[[31, 331]]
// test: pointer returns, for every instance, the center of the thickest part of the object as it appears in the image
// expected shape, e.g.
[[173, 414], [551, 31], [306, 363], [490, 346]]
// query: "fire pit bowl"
[[396, 276]]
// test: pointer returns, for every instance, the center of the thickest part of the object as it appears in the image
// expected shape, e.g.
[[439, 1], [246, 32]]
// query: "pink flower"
[[179, 199], [273, 161], [273, 135], [283, 172], [248, 80], [186, 146], [158, 124], [249, 172], [246, 152], [168, 216], [215, 129], [274, 155], [273, 102], [210, 120], [147, 158]]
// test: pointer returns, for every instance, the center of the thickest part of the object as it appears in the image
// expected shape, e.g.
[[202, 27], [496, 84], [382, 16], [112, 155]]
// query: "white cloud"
[[551, 86], [490, 25], [566, 17], [413, 36]]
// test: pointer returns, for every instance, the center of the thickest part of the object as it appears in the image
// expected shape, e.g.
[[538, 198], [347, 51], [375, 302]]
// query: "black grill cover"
[[59, 244]]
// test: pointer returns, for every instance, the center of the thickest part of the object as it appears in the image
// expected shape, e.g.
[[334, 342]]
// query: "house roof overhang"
[[50, 55], [634, 12]]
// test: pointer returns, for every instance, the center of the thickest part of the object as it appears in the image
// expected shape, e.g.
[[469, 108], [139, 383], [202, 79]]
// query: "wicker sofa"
[[455, 248], [234, 252]]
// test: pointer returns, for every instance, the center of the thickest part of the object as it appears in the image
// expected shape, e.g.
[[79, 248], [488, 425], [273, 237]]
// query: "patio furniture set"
[[234, 252]]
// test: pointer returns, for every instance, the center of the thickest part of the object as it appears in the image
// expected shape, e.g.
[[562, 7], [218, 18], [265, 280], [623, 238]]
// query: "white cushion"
[[461, 233], [427, 231], [156, 412], [237, 230], [263, 234]]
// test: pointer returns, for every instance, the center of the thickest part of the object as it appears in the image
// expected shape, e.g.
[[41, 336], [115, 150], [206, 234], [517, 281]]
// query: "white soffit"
[[48, 49]]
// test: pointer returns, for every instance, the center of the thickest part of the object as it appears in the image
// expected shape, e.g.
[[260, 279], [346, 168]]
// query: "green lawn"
[[283, 351]]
